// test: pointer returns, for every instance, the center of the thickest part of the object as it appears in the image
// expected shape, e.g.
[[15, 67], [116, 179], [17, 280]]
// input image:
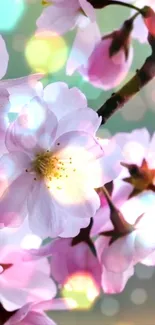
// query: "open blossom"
[[56, 164], [22, 282], [110, 60], [61, 16]]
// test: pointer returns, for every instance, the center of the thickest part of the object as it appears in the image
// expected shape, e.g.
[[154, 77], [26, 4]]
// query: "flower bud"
[[111, 59]]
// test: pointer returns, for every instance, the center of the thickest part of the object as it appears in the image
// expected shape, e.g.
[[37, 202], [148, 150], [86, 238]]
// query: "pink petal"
[[53, 304], [134, 145], [33, 283], [73, 226], [149, 260], [29, 134], [22, 90], [4, 100], [107, 167], [113, 283], [4, 123], [45, 217], [4, 58], [140, 31], [13, 205], [88, 9], [118, 257], [49, 217], [57, 19], [12, 165], [35, 318], [84, 119], [84, 43], [64, 100], [73, 259], [78, 142], [104, 71]]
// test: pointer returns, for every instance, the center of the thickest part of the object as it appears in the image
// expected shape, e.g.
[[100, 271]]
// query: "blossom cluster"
[[76, 211]]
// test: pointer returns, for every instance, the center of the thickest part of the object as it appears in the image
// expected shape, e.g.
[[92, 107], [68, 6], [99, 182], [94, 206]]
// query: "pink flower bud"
[[111, 59], [149, 19]]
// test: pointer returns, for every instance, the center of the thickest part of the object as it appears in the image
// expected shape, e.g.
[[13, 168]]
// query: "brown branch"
[[141, 78]]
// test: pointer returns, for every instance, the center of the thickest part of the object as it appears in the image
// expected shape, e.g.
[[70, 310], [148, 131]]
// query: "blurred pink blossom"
[[110, 60]]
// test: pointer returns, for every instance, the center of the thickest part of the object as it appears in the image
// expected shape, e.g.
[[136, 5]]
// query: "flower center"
[[141, 177], [49, 167]]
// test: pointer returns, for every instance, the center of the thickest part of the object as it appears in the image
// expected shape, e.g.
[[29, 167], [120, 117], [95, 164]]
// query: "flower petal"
[[115, 282], [84, 43], [85, 120], [29, 134], [13, 202], [57, 19], [50, 216], [4, 58], [63, 100], [12, 165], [118, 257], [22, 90]]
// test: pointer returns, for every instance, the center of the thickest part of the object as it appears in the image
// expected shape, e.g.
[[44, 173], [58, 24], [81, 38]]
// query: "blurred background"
[[136, 305]]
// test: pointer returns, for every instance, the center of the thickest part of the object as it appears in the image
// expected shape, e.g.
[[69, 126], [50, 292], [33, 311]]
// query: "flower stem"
[[120, 225], [115, 2]]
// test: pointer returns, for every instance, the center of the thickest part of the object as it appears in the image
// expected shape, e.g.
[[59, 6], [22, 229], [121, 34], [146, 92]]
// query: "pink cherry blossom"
[[22, 282], [136, 244], [106, 68], [62, 16], [53, 161], [68, 260]]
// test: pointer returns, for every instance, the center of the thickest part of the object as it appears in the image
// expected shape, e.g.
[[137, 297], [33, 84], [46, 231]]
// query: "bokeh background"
[[136, 305]]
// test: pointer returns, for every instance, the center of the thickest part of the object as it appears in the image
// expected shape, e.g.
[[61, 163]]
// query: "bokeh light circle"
[[109, 306], [46, 52], [10, 13], [80, 291], [139, 296]]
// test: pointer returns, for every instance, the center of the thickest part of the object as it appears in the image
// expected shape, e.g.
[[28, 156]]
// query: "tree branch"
[[142, 77]]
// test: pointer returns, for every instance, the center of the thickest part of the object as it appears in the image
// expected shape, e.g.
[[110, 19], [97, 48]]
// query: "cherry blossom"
[[22, 282], [72, 264], [63, 16], [127, 233], [58, 162], [109, 64]]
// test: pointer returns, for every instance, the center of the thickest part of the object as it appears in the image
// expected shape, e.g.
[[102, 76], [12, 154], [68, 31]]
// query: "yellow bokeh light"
[[46, 52], [80, 291]]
